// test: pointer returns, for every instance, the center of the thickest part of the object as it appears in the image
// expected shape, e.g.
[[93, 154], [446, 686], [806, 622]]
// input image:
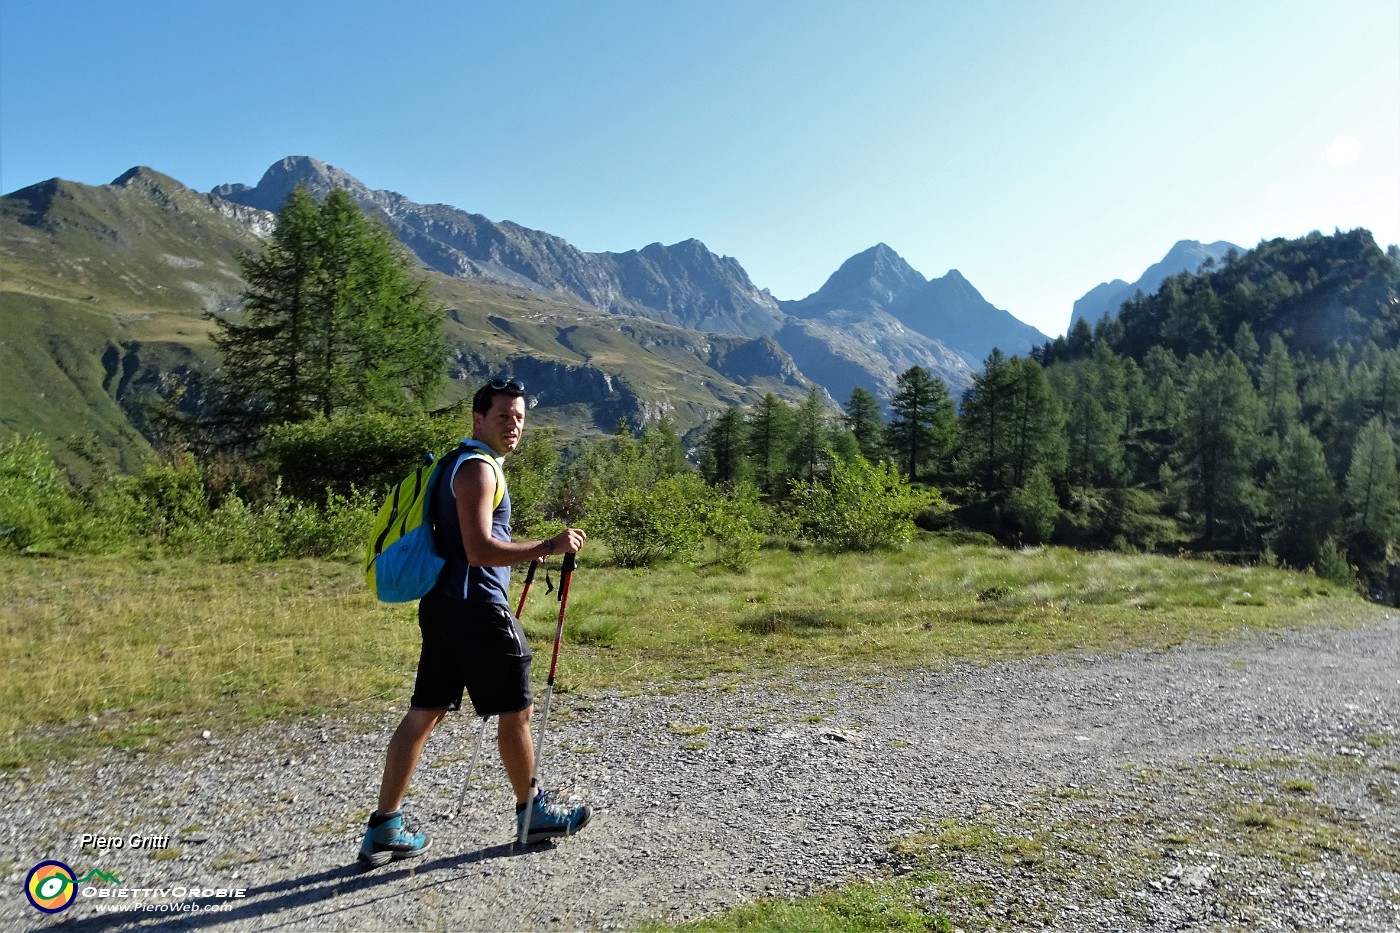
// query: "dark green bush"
[[370, 451], [39, 510], [644, 526], [858, 506]]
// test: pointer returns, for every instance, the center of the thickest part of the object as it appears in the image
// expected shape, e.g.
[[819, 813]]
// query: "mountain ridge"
[[466, 245], [1106, 298], [136, 265], [684, 284], [106, 292]]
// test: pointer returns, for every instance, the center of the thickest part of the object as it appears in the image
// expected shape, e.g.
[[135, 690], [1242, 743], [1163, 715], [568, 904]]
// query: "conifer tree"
[[1080, 339], [1161, 371], [1189, 324], [1301, 499], [333, 321], [1217, 439], [767, 438], [1094, 449], [1135, 395], [922, 421], [722, 451], [1372, 488], [267, 355], [865, 422], [1325, 388], [1033, 506], [985, 439], [661, 448], [1278, 388], [1038, 423], [1096, 411], [1385, 387], [1246, 347], [811, 437], [1011, 423]]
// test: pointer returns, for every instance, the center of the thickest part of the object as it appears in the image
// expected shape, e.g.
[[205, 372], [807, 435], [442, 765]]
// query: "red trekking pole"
[[566, 574], [529, 578]]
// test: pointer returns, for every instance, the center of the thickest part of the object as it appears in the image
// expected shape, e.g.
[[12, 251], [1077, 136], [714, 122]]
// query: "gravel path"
[[1254, 785]]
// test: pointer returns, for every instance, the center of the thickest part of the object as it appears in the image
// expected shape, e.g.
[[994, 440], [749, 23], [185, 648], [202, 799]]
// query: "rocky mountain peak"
[[684, 284], [272, 191], [142, 177], [161, 188], [955, 290], [878, 275]]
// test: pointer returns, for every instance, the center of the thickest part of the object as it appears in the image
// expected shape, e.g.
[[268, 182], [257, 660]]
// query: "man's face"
[[499, 428]]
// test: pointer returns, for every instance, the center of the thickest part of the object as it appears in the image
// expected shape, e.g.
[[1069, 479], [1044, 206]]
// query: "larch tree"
[[866, 423], [768, 437], [923, 422], [334, 321]]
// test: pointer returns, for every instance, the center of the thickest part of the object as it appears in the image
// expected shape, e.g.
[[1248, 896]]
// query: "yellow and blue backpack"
[[401, 561]]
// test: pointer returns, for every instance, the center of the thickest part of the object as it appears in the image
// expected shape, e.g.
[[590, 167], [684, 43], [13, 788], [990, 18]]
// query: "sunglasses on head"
[[499, 385]]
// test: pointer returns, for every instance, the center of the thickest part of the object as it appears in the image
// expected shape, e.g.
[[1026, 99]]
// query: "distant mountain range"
[[1186, 256], [104, 292], [948, 330]]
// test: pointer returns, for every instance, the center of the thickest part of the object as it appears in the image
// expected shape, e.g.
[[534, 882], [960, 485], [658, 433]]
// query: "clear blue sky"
[[1040, 147]]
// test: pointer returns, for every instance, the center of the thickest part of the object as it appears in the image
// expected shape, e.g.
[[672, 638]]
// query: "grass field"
[[137, 653]]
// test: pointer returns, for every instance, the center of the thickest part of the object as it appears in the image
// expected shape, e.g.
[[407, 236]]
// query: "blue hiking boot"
[[388, 837], [549, 820]]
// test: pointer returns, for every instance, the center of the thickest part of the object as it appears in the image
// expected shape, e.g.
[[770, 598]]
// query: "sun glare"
[[1343, 151]]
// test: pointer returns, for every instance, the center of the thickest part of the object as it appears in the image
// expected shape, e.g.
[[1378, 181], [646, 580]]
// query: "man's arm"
[[475, 487]]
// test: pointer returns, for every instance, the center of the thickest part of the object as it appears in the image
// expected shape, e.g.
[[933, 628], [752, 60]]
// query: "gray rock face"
[[874, 318], [684, 284], [955, 313], [877, 316]]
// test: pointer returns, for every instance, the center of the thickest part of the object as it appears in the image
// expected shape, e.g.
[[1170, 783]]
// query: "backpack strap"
[[468, 449], [471, 449]]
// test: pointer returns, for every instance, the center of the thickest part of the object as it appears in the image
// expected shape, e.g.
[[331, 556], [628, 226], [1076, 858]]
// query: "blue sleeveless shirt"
[[459, 579]]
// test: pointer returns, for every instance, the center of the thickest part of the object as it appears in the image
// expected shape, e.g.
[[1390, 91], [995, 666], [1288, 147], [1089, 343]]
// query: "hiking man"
[[471, 639]]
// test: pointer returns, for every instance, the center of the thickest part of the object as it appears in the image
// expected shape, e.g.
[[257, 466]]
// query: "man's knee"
[[422, 721], [520, 717]]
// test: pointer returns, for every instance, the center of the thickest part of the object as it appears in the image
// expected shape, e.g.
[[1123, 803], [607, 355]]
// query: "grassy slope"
[[106, 651], [87, 272], [93, 271]]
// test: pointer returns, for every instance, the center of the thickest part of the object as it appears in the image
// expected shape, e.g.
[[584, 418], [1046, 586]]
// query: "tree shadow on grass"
[[788, 621]]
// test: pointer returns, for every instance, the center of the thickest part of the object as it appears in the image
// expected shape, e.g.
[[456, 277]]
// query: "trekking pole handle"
[[525, 590]]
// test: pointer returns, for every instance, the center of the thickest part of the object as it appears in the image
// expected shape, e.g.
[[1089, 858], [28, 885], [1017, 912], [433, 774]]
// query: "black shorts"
[[473, 645]]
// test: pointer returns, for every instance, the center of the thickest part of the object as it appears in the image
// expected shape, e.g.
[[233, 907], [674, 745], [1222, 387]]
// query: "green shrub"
[[744, 500], [230, 535], [1033, 506], [39, 509], [739, 522], [737, 541], [530, 476], [159, 499], [645, 526], [345, 524], [858, 506], [1332, 564], [959, 537], [279, 529], [369, 450]]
